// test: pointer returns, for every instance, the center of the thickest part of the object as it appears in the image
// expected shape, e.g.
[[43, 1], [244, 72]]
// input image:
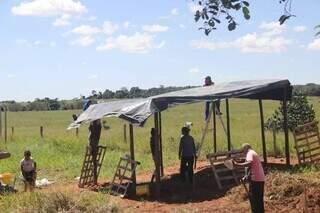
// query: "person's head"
[[246, 147], [153, 131], [27, 154], [208, 81], [185, 130]]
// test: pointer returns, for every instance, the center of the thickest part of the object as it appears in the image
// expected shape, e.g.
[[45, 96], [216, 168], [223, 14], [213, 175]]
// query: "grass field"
[[60, 154]]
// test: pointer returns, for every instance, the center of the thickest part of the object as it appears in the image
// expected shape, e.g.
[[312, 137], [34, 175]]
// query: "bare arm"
[[245, 164]]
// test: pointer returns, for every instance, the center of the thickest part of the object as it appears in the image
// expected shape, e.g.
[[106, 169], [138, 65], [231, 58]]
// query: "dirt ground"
[[283, 193]]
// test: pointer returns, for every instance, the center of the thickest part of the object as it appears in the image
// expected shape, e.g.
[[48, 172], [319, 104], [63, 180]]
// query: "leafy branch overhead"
[[214, 12]]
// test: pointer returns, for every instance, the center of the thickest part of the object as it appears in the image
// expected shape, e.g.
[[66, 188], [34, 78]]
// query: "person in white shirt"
[[28, 170]]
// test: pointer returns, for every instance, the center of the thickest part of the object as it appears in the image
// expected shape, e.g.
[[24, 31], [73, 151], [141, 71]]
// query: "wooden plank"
[[307, 144], [228, 125], [132, 157], [264, 149], [285, 127], [156, 127]]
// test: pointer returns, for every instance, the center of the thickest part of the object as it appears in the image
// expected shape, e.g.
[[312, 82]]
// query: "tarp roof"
[[137, 111]]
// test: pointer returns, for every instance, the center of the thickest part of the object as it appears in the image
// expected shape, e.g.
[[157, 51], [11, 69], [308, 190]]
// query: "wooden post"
[[41, 131], [228, 125], [214, 131], [12, 131], [5, 125], [77, 132], [274, 140], [125, 133], [157, 153], [263, 138], [160, 145], [134, 178], [285, 128], [0, 121]]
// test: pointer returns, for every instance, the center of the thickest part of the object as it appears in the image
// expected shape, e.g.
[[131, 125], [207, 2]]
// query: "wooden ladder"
[[123, 176], [224, 176], [87, 173]]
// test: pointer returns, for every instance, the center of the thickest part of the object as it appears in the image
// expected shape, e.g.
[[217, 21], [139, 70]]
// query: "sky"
[[65, 48]]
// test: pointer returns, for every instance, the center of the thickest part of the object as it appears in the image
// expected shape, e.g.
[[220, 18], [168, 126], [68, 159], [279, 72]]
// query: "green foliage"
[[299, 111], [211, 13]]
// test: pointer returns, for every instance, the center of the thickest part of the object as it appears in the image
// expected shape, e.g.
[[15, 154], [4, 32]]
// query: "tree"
[[212, 12], [299, 111], [318, 28], [107, 94]]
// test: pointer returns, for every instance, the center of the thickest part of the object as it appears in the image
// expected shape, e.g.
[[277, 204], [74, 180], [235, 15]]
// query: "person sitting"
[[28, 170], [187, 154]]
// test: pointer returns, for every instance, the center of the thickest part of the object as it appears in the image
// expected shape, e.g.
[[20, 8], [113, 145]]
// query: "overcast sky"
[[64, 48]]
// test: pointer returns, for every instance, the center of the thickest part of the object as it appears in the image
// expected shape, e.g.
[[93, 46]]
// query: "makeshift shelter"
[[137, 111]]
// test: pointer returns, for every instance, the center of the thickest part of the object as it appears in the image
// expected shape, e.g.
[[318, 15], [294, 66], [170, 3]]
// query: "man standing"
[[187, 154], [94, 137], [209, 82], [256, 178]]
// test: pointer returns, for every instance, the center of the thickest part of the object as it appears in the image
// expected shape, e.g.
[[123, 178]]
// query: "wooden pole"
[[5, 125], [41, 131], [160, 143], [125, 133], [12, 131], [214, 131], [285, 128], [77, 132], [156, 127], [263, 138], [228, 125], [0, 121], [274, 140], [134, 178]]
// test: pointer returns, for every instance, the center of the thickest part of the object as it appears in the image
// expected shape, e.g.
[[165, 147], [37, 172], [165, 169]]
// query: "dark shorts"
[[29, 176]]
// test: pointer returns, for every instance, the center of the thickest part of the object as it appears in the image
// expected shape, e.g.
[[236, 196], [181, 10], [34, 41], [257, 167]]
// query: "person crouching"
[[28, 170], [187, 154]]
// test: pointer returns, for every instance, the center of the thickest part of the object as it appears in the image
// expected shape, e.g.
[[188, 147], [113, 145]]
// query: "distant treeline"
[[76, 103], [123, 93]]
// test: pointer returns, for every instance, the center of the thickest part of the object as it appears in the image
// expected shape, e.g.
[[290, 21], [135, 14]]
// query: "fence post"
[[41, 131], [125, 133], [274, 139], [12, 131], [77, 132], [5, 125], [0, 121]]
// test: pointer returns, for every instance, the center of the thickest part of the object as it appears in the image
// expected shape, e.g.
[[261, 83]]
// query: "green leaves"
[[283, 18], [317, 28], [232, 26], [246, 13]]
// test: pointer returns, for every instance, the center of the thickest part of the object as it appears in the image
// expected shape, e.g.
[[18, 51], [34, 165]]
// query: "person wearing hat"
[[256, 178], [187, 154], [209, 82]]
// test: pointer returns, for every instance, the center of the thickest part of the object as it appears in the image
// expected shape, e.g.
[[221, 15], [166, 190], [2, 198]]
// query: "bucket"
[[142, 190], [6, 178]]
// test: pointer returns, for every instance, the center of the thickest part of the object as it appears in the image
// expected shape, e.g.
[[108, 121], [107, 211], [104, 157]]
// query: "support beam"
[[214, 125], [285, 128], [5, 125], [263, 138], [157, 153], [228, 125], [134, 179], [160, 144], [0, 121]]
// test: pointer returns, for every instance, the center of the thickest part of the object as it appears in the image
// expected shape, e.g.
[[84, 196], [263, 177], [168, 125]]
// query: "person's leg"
[[218, 106], [95, 165], [182, 168], [190, 168], [260, 203], [255, 197]]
